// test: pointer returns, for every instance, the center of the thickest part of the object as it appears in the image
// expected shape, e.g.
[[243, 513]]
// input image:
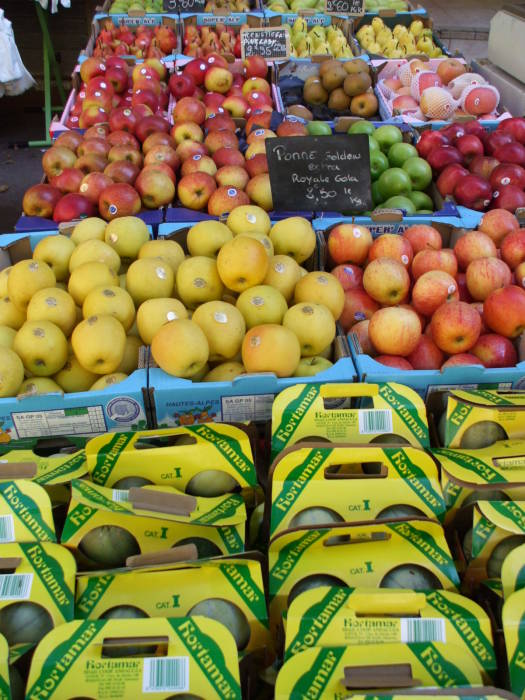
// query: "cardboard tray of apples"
[[437, 90], [435, 305], [109, 38], [216, 33]]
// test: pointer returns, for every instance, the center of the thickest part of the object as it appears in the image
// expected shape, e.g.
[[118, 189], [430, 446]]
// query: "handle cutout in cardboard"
[[407, 604], [8, 565], [338, 540], [357, 470], [161, 502], [379, 676], [115, 647], [185, 552], [17, 470], [147, 442]]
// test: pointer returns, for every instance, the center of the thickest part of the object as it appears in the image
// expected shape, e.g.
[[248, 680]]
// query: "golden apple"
[[126, 235], [73, 377], [108, 380], [53, 305], [42, 347], [283, 274], [224, 327], [99, 343], [11, 372], [4, 274], [225, 372], [180, 348], [155, 313], [294, 237], [262, 238], [39, 385], [7, 336], [94, 251], [207, 237], [89, 229], [170, 251], [11, 315], [321, 288], [130, 360], [242, 263], [198, 281], [262, 304], [271, 348], [314, 326], [248, 219], [149, 278], [26, 278], [56, 252], [310, 366], [110, 301], [88, 277]]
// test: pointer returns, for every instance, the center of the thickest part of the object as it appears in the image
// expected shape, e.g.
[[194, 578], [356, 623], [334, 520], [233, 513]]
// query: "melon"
[[109, 546], [24, 623], [130, 482], [389, 439], [123, 612], [482, 434], [229, 614], [313, 581], [315, 516], [205, 548], [501, 550], [412, 577], [211, 482], [400, 511]]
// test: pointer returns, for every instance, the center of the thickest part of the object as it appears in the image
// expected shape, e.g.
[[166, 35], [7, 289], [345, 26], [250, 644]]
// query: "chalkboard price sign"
[[273, 43], [345, 7], [320, 173], [183, 5]]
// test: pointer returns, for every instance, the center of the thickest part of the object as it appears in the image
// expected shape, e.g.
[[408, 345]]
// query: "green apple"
[[424, 211], [378, 164], [376, 197], [421, 200], [419, 172], [400, 202], [362, 127], [319, 129], [387, 135], [398, 153], [312, 365], [373, 145], [394, 181]]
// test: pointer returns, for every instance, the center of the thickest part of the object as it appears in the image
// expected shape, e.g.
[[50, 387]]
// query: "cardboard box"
[[211, 19], [344, 483], [325, 617], [514, 631], [180, 655], [122, 406], [513, 571], [25, 512]]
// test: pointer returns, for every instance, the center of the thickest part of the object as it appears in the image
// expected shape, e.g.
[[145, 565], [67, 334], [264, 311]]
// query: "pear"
[[318, 33], [378, 24], [425, 45], [384, 36], [416, 27], [436, 52], [300, 26], [298, 38], [399, 30]]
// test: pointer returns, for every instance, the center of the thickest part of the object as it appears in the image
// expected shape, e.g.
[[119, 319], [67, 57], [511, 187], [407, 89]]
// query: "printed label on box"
[[73, 421], [251, 407]]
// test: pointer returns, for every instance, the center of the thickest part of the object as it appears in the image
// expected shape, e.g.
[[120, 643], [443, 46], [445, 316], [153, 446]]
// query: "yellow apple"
[[207, 238], [226, 372], [310, 366], [53, 305], [99, 343], [271, 348], [130, 360], [11, 315], [39, 385], [262, 304], [26, 278], [198, 281], [11, 372], [110, 301], [180, 348], [248, 219], [199, 376], [242, 263], [321, 288], [126, 235], [170, 251], [149, 278], [154, 313], [262, 238], [294, 237], [73, 377], [56, 252], [88, 277], [42, 347], [89, 229], [7, 336], [223, 326], [283, 274], [108, 380], [94, 251], [313, 324], [4, 274]]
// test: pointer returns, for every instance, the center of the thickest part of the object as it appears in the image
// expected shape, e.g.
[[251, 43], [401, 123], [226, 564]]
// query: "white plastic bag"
[[14, 78]]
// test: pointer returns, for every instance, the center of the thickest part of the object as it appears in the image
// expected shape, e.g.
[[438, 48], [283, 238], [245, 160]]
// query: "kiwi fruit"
[[501, 550], [315, 516], [109, 546], [130, 482], [24, 623], [314, 92], [211, 482], [300, 111], [229, 615], [313, 581], [205, 548], [412, 577], [356, 66], [334, 77], [400, 511], [339, 100]]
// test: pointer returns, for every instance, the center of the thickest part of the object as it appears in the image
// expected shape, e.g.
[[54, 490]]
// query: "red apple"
[[117, 200], [158, 138], [495, 351], [474, 192], [221, 139], [186, 131], [257, 165], [484, 275], [94, 145], [118, 78], [122, 119], [349, 243], [495, 140], [454, 131], [155, 189], [237, 106], [189, 109], [391, 245], [122, 171], [350, 276], [483, 166], [512, 152], [513, 248], [427, 260], [455, 327], [68, 181], [145, 97], [423, 237], [195, 190], [515, 126], [507, 174], [91, 67], [504, 311], [460, 360], [92, 185], [41, 200], [162, 168], [358, 306], [91, 163], [56, 159], [225, 199], [433, 289], [508, 197], [394, 361], [497, 223], [213, 100], [232, 176], [215, 59], [91, 116], [440, 157], [188, 149], [181, 85], [469, 146], [219, 122], [198, 164], [125, 153], [430, 140], [70, 140], [255, 67], [359, 332], [426, 355], [197, 69], [449, 177], [149, 125], [162, 154], [73, 206], [229, 156], [473, 245], [464, 294]]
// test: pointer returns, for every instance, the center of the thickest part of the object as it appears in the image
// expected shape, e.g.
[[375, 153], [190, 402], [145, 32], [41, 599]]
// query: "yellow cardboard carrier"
[[330, 673], [104, 527], [329, 617], [513, 619], [475, 693], [127, 659], [5, 684], [482, 417], [383, 554], [513, 571], [25, 513], [172, 457], [372, 483], [394, 414], [175, 590], [497, 528], [489, 473]]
